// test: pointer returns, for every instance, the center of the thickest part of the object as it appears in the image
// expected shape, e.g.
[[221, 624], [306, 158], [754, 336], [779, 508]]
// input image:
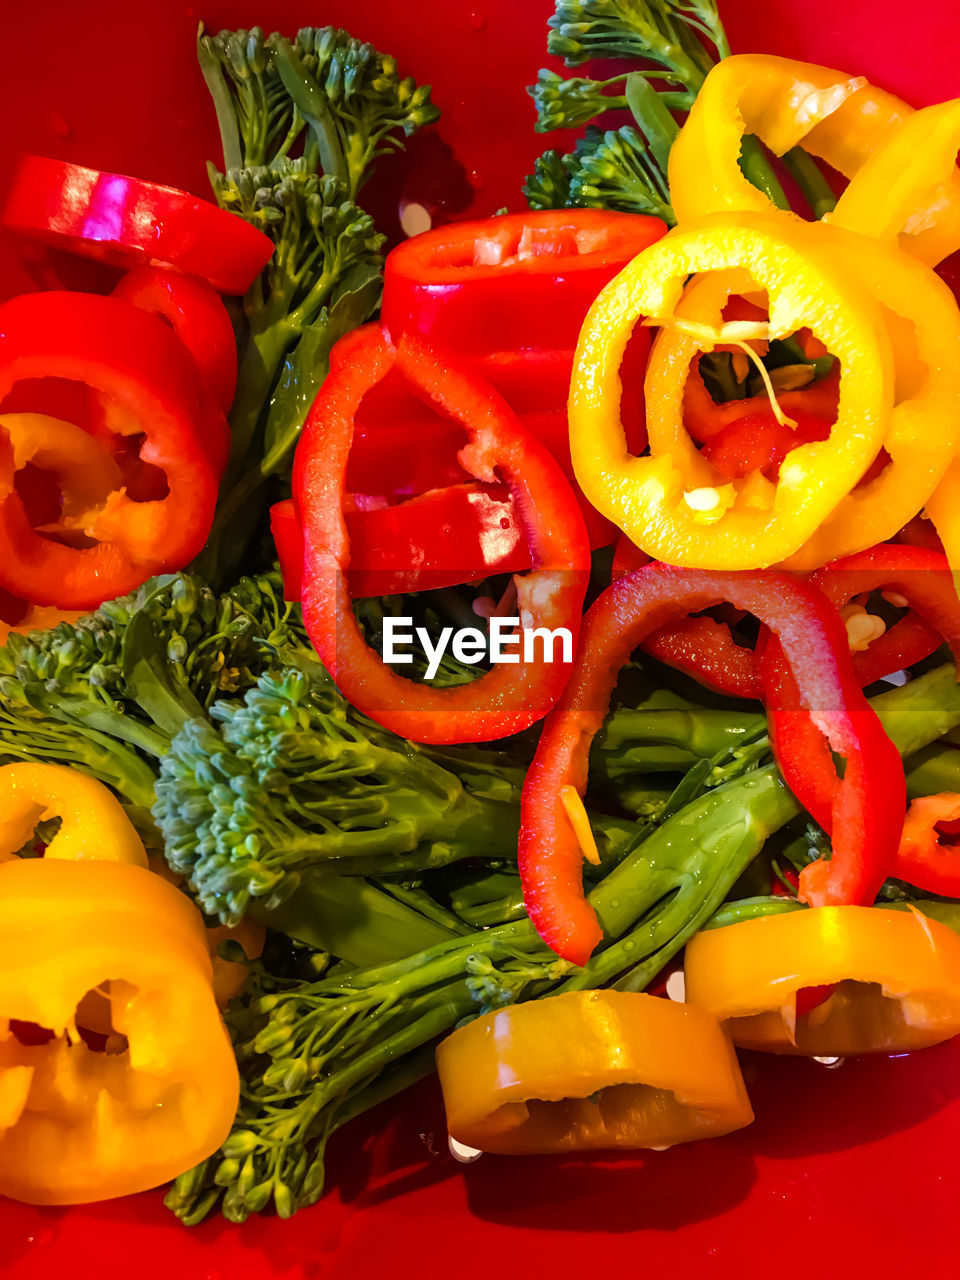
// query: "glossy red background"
[[848, 1171]]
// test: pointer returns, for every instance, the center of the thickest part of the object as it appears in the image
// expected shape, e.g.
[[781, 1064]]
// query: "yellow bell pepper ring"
[[93, 822], [784, 103], [666, 502], [923, 431], [79, 1121], [590, 1070], [909, 188], [896, 976]]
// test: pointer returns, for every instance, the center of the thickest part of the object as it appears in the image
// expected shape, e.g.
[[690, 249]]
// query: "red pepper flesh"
[[135, 363], [814, 642], [131, 223], [508, 697]]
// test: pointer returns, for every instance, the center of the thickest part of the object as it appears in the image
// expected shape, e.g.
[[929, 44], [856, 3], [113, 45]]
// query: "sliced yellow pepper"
[[909, 187], [229, 976], [923, 432], [590, 1070], [79, 1124], [666, 502], [903, 176], [784, 103], [93, 822], [897, 978]]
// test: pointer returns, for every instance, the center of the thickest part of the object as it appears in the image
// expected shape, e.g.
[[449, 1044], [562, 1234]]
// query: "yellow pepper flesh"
[[782, 102], [898, 974], [909, 188], [590, 1070], [93, 822], [923, 431], [78, 1124], [649, 498]]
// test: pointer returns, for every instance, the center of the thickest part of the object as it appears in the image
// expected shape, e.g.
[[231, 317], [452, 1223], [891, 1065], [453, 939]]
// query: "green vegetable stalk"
[[313, 1054], [302, 124]]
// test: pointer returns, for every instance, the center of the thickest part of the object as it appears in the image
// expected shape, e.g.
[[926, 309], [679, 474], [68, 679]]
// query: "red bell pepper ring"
[[757, 441], [135, 363], [196, 314], [920, 576], [923, 578], [509, 697], [198, 318], [704, 418], [131, 223], [439, 539], [814, 642], [923, 860], [402, 449], [516, 283], [704, 648]]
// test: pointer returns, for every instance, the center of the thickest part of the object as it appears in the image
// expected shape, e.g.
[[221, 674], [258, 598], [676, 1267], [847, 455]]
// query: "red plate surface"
[[851, 1170]]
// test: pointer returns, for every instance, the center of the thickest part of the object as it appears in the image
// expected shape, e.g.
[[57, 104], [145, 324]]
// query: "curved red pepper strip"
[[196, 314], [758, 441], [440, 539], [815, 643], [130, 222], [921, 859], [135, 362], [706, 650], [704, 418], [194, 311], [924, 578], [509, 697], [919, 574], [702, 647]]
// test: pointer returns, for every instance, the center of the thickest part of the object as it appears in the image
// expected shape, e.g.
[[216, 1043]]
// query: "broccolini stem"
[[758, 170], [312, 106], [815, 188], [751, 909]]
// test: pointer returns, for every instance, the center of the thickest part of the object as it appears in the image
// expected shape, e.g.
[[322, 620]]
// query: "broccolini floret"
[[302, 123], [108, 692], [335, 98], [322, 281], [294, 780]]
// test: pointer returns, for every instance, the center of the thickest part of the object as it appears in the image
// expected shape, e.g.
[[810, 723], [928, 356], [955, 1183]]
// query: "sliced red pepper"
[[704, 648], [920, 576], [135, 364], [508, 295], [509, 697], [402, 448], [924, 579], [704, 418], [814, 641], [521, 282], [131, 223], [924, 859], [439, 539], [198, 318], [196, 314], [759, 442]]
